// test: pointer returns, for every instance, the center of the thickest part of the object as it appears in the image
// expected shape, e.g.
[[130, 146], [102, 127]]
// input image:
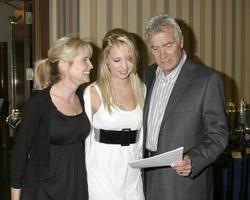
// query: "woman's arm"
[[95, 100], [24, 141], [15, 194], [92, 101]]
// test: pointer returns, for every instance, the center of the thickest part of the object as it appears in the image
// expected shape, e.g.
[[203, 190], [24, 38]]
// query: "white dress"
[[109, 175]]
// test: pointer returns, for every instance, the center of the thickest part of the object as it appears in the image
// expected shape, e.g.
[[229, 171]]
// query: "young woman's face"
[[79, 71], [119, 62]]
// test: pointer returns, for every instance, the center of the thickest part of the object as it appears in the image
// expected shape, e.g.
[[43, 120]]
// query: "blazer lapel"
[[181, 84], [149, 84]]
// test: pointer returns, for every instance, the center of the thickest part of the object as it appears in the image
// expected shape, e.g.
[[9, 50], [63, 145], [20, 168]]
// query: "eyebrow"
[[167, 43]]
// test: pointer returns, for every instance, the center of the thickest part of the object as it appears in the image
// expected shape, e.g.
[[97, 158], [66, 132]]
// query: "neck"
[[64, 91], [120, 83]]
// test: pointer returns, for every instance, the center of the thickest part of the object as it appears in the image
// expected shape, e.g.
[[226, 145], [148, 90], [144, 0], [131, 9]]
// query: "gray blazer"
[[194, 118]]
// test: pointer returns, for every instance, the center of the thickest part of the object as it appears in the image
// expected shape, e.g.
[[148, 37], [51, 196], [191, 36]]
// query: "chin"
[[85, 81], [124, 77]]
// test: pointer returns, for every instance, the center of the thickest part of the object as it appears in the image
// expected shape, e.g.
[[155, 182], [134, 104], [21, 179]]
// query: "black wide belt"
[[125, 137]]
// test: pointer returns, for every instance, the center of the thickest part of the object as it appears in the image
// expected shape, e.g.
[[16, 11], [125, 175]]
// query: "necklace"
[[123, 99], [66, 104]]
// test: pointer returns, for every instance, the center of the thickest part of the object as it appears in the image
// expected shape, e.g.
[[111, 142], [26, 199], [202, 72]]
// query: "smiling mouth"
[[124, 73], [165, 61]]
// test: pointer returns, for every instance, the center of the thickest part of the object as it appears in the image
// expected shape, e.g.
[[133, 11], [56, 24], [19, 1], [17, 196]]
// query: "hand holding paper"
[[183, 167], [164, 159]]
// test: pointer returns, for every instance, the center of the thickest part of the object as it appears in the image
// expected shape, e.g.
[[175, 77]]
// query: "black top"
[[48, 156]]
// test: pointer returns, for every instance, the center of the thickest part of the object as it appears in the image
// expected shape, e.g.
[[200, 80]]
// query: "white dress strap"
[[97, 89], [87, 99], [87, 102], [88, 109]]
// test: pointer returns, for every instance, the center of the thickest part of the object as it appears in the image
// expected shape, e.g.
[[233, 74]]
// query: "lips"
[[165, 61], [124, 73]]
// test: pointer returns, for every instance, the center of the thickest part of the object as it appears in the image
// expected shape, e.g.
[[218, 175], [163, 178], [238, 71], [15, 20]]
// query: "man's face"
[[167, 51]]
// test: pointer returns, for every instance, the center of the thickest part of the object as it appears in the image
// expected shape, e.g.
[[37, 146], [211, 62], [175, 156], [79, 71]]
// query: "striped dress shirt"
[[159, 99]]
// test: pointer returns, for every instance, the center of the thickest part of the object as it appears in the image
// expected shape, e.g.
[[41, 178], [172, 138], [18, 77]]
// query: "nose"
[[163, 53], [90, 65], [125, 64]]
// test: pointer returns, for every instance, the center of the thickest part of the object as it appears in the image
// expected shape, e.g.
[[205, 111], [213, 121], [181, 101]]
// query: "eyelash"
[[169, 45], [164, 46]]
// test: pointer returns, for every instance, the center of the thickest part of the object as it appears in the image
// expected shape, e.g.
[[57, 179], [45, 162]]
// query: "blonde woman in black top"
[[48, 159]]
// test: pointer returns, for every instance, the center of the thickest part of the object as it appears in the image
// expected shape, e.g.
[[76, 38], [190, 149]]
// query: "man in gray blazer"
[[184, 107]]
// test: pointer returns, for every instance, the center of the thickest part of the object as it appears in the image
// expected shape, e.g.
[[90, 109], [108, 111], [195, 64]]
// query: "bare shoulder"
[[95, 99]]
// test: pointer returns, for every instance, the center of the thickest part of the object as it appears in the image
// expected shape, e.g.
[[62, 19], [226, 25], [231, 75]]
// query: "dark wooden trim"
[[3, 71], [40, 29], [27, 45]]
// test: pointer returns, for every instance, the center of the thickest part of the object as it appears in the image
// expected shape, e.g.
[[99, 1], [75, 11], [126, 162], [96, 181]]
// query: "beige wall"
[[216, 32]]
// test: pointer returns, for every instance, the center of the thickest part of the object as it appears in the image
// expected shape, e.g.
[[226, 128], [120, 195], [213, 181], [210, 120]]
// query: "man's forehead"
[[162, 37]]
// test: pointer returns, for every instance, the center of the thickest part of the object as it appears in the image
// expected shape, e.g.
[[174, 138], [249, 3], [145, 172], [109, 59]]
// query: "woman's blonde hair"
[[66, 48], [118, 37]]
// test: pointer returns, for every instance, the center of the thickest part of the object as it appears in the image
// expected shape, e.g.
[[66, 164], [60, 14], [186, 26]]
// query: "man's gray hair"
[[156, 23]]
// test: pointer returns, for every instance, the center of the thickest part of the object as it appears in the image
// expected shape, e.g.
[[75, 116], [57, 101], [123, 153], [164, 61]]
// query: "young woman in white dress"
[[114, 106]]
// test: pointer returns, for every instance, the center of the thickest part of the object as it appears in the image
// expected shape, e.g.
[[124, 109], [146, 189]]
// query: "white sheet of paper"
[[164, 159]]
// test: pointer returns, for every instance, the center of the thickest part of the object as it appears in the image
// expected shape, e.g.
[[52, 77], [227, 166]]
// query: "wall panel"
[[228, 50], [146, 13], [238, 48], [218, 35], [101, 17], [132, 15], [160, 6], [93, 21], [216, 32], [173, 6], [196, 19], [117, 13], [247, 51], [84, 16], [53, 21], [207, 32]]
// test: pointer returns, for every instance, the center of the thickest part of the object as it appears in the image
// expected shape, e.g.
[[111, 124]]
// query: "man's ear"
[[182, 42]]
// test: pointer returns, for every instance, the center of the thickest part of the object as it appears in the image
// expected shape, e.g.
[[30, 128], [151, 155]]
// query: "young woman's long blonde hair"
[[119, 37], [66, 48]]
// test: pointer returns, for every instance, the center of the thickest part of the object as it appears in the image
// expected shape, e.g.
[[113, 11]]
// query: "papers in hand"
[[160, 160]]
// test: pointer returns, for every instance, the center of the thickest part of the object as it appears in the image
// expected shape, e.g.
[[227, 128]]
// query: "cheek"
[[112, 70], [84, 68], [156, 55], [177, 55], [131, 67], [114, 66]]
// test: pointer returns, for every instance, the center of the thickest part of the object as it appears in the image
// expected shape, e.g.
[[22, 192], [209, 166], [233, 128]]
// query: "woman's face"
[[79, 71], [119, 62]]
